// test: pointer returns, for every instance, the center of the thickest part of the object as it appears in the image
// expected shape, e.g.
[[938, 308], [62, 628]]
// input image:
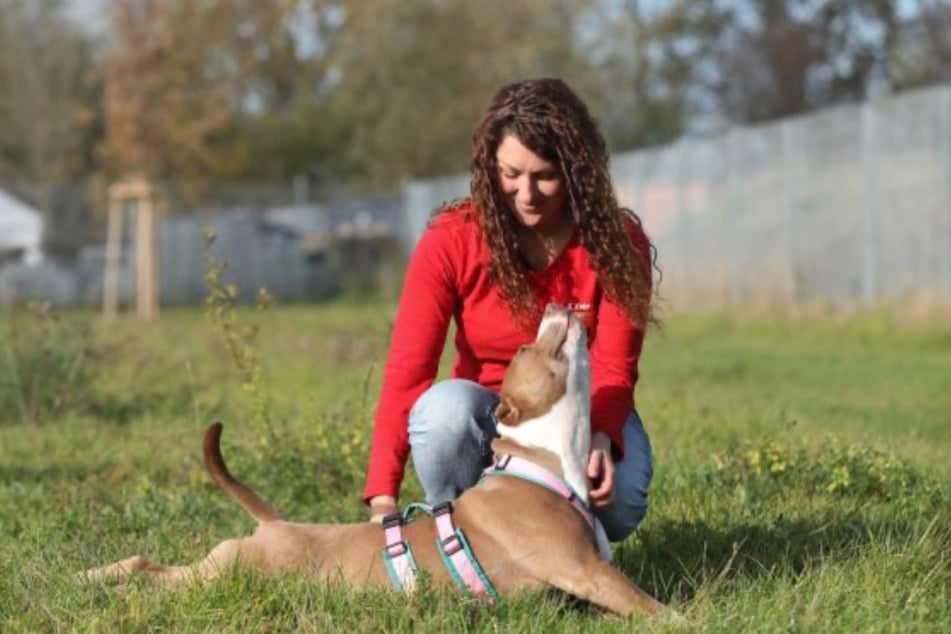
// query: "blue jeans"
[[450, 431]]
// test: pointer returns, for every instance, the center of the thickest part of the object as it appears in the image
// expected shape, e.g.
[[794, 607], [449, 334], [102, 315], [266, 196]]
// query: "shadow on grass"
[[674, 559]]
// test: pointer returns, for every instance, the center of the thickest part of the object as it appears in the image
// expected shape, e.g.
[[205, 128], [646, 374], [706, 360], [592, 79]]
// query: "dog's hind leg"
[[221, 557], [119, 572]]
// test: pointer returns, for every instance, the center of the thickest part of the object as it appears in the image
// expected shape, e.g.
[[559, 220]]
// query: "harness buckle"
[[442, 508], [451, 545], [393, 519], [396, 549]]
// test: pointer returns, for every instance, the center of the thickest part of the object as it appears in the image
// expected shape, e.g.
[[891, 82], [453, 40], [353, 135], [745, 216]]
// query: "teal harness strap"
[[414, 507], [458, 557], [397, 555], [494, 597], [391, 566]]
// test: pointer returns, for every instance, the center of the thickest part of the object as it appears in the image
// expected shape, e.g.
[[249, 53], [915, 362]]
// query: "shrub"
[[853, 470], [46, 364]]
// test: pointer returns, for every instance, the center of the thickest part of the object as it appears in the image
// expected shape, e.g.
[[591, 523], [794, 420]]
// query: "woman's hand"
[[381, 506], [601, 472]]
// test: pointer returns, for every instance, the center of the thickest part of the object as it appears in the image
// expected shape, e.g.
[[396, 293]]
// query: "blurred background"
[[782, 153]]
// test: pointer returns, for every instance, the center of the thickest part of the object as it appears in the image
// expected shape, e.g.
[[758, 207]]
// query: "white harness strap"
[[397, 554]]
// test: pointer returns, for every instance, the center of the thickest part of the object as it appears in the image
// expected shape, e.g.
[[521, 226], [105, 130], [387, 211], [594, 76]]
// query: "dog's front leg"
[[603, 585]]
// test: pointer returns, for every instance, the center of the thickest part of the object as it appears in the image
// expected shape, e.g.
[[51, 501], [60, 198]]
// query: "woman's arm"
[[615, 354], [427, 303]]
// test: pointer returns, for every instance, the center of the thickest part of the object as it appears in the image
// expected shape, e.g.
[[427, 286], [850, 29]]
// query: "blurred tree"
[[48, 93], [165, 99], [776, 58], [415, 76], [50, 119], [765, 59], [921, 53], [370, 91], [189, 86], [647, 56], [377, 91]]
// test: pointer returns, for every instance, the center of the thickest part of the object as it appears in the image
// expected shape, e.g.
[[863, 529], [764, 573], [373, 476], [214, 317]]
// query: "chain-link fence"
[[849, 205]]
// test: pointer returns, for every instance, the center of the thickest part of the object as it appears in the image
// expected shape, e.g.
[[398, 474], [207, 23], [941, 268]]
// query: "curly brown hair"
[[547, 117]]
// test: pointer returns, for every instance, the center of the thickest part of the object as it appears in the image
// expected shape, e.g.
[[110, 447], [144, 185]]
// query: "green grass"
[[801, 477]]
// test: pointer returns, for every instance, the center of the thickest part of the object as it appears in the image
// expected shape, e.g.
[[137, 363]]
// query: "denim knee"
[[450, 433], [448, 409]]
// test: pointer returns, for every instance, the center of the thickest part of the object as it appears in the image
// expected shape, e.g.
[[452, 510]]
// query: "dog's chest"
[[562, 431]]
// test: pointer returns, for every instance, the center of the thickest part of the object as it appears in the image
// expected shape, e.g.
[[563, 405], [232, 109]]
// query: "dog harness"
[[451, 542], [453, 547], [527, 470]]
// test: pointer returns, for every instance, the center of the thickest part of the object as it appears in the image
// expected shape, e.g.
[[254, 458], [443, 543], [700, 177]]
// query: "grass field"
[[802, 472]]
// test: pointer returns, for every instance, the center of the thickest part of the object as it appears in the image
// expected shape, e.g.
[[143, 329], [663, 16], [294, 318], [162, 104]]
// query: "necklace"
[[539, 249]]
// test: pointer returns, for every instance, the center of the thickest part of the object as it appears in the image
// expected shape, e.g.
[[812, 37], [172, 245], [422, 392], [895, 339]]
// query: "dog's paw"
[[670, 616]]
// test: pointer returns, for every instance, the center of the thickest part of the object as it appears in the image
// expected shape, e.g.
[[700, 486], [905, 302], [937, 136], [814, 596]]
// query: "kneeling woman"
[[542, 226]]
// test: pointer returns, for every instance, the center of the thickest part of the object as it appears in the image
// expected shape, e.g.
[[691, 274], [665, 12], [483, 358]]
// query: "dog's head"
[[546, 371]]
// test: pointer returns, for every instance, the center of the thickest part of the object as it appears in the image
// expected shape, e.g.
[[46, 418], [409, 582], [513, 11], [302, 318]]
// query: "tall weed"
[[47, 364], [240, 339]]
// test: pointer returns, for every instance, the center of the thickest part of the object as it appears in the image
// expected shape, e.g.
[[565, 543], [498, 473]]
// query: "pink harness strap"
[[464, 567], [397, 555], [528, 470]]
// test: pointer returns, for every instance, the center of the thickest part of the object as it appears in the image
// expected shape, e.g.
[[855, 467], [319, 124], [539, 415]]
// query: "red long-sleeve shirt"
[[448, 278]]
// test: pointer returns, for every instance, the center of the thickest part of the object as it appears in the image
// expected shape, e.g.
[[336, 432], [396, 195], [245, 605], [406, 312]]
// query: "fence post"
[[789, 214], [946, 170], [140, 195], [146, 267], [113, 260], [681, 237], [733, 240], [870, 281]]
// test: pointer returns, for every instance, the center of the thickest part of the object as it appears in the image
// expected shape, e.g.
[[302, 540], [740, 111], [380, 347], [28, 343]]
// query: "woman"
[[542, 226]]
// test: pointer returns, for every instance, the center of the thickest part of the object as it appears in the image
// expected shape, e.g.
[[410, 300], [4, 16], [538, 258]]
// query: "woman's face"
[[534, 187]]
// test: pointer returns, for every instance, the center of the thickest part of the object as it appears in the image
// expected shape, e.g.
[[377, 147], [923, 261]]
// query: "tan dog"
[[524, 536]]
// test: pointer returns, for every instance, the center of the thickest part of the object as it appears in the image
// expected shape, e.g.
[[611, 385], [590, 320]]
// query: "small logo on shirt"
[[585, 313]]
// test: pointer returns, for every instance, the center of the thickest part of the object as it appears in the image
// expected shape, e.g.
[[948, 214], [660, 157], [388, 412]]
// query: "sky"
[[91, 13]]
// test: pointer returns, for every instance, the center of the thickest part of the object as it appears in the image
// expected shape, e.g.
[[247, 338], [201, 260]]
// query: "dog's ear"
[[507, 412]]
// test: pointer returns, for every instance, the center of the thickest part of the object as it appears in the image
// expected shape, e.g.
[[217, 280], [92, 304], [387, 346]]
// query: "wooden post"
[[139, 194], [146, 269], [110, 282]]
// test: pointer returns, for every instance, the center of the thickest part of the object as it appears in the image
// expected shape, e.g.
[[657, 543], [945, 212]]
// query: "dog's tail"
[[252, 503]]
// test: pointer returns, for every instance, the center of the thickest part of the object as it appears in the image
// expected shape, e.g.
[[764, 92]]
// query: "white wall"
[[21, 227]]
